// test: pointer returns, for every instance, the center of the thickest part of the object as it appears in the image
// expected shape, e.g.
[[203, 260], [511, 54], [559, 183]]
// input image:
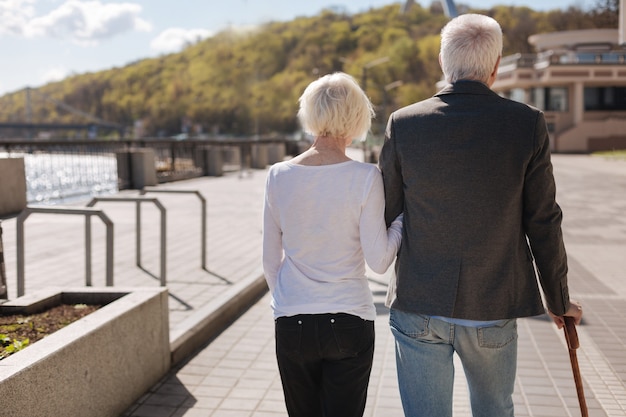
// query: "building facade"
[[578, 78]]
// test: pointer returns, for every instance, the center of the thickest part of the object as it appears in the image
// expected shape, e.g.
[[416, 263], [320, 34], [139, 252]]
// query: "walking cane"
[[572, 344]]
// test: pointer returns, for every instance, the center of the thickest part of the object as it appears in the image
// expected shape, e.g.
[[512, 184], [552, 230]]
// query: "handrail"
[[138, 201], [203, 214], [4, 291], [87, 212]]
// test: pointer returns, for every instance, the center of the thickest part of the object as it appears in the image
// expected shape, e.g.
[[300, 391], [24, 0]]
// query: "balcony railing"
[[544, 59]]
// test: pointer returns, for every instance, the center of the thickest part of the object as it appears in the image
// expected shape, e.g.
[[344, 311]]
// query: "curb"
[[196, 330]]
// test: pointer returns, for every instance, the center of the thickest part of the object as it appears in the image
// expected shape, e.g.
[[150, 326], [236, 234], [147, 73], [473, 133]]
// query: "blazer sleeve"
[[392, 175], [542, 223]]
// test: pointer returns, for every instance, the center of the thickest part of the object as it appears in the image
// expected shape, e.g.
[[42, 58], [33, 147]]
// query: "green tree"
[[248, 82]]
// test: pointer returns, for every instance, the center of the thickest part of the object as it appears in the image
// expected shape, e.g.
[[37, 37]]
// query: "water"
[[63, 178]]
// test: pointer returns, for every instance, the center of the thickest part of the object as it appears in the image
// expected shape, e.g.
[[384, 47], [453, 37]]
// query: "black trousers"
[[325, 361]]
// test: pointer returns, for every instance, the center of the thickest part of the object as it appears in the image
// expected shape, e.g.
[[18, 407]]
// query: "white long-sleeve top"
[[321, 224]]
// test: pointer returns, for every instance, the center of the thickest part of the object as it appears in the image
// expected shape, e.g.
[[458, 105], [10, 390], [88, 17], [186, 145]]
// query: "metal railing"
[[138, 201], [559, 57], [4, 291], [181, 160], [88, 213], [203, 234], [59, 169]]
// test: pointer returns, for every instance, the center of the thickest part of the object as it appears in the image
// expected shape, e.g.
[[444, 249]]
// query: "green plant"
[[19, 331], [614, 154], [11, 345]]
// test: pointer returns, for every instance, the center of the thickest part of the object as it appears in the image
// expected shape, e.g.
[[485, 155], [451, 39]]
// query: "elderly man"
[[472, 173]]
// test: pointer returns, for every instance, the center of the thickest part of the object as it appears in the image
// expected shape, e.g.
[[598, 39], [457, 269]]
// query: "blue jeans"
[[325, 361], [424, 357]]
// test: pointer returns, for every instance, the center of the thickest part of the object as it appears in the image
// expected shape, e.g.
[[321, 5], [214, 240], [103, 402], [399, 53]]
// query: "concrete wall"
[[276, 153], [97, 366], [259, 156], [12, 186], [577, 138], [212, 161], [137, 168]]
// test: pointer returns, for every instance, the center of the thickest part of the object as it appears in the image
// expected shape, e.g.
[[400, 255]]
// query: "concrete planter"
[[97, 366], [12, 186]]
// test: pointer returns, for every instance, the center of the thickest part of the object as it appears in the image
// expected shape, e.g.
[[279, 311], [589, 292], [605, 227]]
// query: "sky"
[[47, 40]]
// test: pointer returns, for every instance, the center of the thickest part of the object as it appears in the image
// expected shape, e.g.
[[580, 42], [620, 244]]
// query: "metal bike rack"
[[88, 213], [138, 201], [4, 291], [203, 214]]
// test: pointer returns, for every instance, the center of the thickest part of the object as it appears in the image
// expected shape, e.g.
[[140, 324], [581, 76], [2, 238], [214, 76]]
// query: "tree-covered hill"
[[249, 82]]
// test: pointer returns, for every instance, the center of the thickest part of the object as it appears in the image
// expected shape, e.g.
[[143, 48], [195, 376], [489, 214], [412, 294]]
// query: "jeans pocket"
[[411, 325], [499, 335], [352, 334], [288, 332]]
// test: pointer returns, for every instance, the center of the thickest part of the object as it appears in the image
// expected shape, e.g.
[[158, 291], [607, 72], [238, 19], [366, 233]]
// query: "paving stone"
[[235, 375]]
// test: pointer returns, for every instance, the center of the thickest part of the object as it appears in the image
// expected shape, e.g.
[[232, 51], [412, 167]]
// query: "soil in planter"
[[18, 331]]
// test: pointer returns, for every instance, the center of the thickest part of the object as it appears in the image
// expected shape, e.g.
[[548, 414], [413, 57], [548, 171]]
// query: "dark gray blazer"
[[472, 173]]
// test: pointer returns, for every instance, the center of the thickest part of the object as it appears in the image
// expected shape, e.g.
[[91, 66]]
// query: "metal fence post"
[[88, 250], [138, 233], [4, 291], [161, 208], [202, 214], [21, 218]]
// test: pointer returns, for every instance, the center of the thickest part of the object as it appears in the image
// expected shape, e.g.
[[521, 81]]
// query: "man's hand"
[[575, 310]]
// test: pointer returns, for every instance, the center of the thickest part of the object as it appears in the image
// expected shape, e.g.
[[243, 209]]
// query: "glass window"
[[586, 58], [537, 98], [605, 98], [592, 98], [550, 98], [518, 94], [557, 99]]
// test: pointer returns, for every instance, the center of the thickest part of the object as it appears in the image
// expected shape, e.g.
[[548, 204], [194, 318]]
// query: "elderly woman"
[[323, 219]]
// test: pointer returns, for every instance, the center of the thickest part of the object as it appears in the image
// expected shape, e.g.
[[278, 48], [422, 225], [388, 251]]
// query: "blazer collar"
[[466, 87]]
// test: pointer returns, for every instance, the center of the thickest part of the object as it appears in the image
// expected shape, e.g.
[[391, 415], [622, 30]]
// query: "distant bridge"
[[449, 9], [30, 127], [59, 126]]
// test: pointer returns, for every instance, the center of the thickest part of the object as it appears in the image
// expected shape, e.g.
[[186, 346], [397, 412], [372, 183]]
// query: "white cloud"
[[53, 74], [175, 39], [14, 16], [82, 22]]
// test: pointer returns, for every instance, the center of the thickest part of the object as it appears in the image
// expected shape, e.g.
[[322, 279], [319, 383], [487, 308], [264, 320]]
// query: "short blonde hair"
[[470, 47], [334, 105]]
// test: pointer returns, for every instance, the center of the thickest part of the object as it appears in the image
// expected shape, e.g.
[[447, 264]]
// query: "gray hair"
[[470, 47], [334, 105]]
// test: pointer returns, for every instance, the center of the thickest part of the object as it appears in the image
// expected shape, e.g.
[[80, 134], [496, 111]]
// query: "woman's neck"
[[325, 150]]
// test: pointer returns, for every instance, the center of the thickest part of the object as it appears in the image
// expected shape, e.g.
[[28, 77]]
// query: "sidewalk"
[[236, 375]]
